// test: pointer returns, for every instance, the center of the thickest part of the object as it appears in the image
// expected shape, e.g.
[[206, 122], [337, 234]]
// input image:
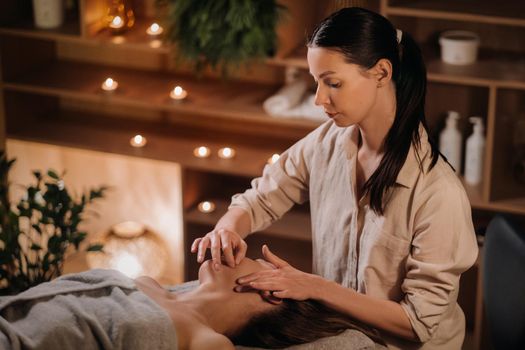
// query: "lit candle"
[[138, 141], [201, 152], [206, 207], [274, 158], [226, 153], [116, 23], [154, 30], [109, 85], [178, 93]]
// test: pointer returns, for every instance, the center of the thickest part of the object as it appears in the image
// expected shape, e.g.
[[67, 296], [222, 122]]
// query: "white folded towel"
[[307, 109], [286, 98]]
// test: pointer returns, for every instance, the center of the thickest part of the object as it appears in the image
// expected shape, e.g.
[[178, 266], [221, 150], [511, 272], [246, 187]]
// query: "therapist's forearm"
[[236, 220], [385, 315]]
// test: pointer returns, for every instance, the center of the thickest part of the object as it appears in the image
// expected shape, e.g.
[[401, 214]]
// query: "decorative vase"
[[48, 13]]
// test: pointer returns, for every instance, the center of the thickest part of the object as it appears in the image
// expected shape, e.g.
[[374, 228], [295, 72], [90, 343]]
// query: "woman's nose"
[[321, 98]]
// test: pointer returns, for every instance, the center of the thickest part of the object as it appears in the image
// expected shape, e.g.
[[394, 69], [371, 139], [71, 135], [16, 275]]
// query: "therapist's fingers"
[[216, 251], [227, 251], [203, 245], [272, 258], [257, 275], [195, 245], [269, 285], [240, 251]]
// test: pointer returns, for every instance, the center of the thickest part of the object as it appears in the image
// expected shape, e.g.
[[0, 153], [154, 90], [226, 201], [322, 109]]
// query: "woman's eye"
[[333, 85]]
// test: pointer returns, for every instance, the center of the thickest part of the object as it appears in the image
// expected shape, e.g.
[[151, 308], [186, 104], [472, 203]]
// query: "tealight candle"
[[201, 152], [274, 158], [138, 141], [116, 23], [154, 30], [226, 153], [178, 93], [109, 85], [206, 207]]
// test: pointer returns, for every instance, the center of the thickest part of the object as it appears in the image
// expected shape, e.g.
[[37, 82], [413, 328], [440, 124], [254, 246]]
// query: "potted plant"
[[221, 34], [35, 234]]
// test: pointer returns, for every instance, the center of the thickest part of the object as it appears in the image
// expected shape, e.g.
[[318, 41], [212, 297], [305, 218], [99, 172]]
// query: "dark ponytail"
[[297, 322], [364, 37]]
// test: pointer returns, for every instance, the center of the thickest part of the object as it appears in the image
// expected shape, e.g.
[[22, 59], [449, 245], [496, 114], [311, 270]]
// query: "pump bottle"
[[450, 141], [475, 153]]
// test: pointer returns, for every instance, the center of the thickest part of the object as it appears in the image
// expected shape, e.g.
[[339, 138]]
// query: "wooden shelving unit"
[[505, 13], [50, 92]]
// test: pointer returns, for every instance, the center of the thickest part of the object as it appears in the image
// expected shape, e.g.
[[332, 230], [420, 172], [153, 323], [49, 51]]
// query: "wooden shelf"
[[70, 30], [294, 225], [492, 69], [500, 13], [87, 131], [135, 38], [238, 101]]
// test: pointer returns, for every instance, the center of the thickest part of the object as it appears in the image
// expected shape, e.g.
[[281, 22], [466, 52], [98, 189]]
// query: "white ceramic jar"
[[48, 13], [459, 47]]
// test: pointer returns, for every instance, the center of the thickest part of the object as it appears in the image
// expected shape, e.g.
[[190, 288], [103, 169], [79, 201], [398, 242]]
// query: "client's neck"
[[219, 310]]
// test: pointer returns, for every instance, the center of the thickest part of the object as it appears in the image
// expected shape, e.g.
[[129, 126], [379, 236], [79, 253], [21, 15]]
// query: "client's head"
[[268, 325], [295, 322]]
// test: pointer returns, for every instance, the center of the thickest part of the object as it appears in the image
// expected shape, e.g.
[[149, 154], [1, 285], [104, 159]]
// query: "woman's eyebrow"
[[324, 74]]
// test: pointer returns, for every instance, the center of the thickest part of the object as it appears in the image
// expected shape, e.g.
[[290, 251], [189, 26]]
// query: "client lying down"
[[105, 309]]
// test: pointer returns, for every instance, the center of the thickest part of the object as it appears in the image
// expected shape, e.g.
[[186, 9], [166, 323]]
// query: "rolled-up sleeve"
[[281, 185], [443, 246]]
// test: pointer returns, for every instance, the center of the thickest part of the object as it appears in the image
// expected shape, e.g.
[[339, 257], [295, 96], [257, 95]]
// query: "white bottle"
[[48, 13], [475, 153], [450, 141]]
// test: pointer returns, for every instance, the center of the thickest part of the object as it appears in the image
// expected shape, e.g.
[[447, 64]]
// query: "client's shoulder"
[[204, 338]]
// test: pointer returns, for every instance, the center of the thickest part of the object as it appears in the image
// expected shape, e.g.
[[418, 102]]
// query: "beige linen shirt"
[[413, 254]]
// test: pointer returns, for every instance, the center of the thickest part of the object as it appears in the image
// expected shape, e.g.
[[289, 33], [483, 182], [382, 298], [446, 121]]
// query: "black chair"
[[504, 283]]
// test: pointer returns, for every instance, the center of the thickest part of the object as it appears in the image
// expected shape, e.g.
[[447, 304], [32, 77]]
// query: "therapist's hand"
[[232, 246], [284, 282]]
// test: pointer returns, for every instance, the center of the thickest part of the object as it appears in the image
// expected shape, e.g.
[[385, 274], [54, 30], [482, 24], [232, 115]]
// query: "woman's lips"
[[331, 115]]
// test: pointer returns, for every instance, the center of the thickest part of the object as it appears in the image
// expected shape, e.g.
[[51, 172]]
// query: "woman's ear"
[[382, 72]]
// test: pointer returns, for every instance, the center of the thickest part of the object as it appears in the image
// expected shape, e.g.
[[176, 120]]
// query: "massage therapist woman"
[[391, 224]]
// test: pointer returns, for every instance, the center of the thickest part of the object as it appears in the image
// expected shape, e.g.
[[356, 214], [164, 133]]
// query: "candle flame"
[[206, 207], [274, 158], [117, 22], [201, 152], [226, 153]]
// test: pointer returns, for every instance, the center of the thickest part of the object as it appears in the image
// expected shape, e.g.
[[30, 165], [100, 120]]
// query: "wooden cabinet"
[[50, 92]]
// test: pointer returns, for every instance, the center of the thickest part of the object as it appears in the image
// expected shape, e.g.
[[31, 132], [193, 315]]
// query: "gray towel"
[[96, 309]]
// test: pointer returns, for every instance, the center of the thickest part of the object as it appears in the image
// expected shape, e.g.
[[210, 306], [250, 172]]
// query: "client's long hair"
[[296, 322]]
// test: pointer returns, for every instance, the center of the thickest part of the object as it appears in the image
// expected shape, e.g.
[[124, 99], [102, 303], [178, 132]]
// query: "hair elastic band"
[[399, 34]]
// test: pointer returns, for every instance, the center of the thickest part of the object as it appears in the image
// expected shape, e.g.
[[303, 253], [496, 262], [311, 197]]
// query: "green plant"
[[222, 34], [35, 234]]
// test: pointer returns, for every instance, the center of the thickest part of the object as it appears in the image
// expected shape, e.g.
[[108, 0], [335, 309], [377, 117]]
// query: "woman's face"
[[226, 277], [346, 91]]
